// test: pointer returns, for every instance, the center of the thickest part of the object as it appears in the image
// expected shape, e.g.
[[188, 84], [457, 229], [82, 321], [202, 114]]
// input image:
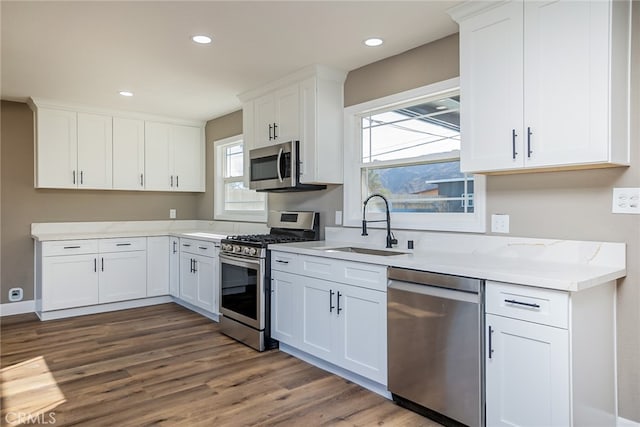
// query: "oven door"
[[242, 289], [272, 167]]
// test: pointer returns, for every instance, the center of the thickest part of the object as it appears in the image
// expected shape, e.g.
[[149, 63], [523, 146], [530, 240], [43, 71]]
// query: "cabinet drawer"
[[543, 306], [369, 276], [122, 244], [69, 247], [198, 247], [283, 261]]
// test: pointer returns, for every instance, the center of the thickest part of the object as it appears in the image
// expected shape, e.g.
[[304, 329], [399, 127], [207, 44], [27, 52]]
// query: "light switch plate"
[[500, 223], [626, 200], [172, 214]]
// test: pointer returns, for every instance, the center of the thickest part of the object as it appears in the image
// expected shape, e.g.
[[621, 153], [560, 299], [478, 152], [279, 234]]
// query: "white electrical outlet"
[[338, 217], [626, 200], [172, 214], [15, 294], [500, 223]]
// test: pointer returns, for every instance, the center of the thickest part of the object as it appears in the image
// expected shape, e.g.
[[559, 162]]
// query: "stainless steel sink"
[[365, 251]]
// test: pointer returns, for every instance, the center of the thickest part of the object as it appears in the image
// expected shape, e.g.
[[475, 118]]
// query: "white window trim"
[[352, 205], [219, 213]]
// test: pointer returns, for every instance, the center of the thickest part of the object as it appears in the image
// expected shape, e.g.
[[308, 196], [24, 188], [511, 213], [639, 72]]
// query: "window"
[[407, 148], [232, 199]]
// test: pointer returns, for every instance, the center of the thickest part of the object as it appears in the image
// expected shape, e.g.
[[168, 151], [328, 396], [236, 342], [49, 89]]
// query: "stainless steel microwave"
[[277, 169]]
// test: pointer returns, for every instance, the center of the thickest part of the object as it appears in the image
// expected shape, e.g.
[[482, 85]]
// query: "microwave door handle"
[[279, 164]]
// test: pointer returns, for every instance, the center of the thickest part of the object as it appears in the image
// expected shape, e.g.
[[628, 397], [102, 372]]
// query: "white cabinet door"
[[174, 267], [264, 116], [123, 276], [287, 123], [188, 158], [57, 149], [318, 316], [95, 145], [566, 66], [362, 332], [188, 279], [491, 81], [69, 281], [128, 154], [527, 374], [285, 308], [158, 268], [205, 272], [158, 160]]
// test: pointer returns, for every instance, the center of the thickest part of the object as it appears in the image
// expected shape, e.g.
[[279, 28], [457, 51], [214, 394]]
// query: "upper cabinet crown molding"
[[545, 85], [35, 103], [316, 70]]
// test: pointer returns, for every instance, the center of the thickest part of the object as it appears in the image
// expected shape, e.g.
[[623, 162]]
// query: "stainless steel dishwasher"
[[435, 345]]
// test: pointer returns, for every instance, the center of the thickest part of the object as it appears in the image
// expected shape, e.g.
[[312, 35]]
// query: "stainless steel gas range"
[[245, 287]]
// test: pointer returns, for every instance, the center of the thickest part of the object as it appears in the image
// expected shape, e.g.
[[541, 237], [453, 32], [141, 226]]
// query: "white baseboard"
[[370, 385], [20, 307], [623, 422], [103, 308], [205, 313]]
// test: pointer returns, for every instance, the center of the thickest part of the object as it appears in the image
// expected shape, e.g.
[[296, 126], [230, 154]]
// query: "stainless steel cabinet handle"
[[331, 306], [513, 143], [195, 265], [203, 247], [275, 127], [282, 261], [177, 181], [74, 177], [186, 245], [490, 342], [171, 181], [270, 138], [81, 177], [95, 265], [101, 264], [141, 180], [339, 309], [123, 244], [72, 247], [175, 248], [529, 133], [526, 304], [191, 265]]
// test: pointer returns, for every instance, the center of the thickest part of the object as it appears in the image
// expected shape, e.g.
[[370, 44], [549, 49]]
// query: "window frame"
[[219, 181], [353, 191]]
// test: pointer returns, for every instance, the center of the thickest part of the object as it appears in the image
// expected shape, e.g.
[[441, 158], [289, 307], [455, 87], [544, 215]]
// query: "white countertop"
[[523, 271], [191, 234]]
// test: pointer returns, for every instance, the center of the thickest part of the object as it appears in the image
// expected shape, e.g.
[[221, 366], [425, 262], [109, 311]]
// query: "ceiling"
[[85, 52]]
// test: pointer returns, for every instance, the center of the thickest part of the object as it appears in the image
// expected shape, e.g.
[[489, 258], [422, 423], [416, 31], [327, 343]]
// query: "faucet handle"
[[394, 241]]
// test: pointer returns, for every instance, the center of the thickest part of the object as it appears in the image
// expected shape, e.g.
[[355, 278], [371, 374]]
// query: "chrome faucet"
[[390, 238]]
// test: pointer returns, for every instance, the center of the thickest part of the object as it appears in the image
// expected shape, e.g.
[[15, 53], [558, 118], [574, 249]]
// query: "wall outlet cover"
[[15, 294], [172, 214], [626, 200], [500, 223], [338, 217]]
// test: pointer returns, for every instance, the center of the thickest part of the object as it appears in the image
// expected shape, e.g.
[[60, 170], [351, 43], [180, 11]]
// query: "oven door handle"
[[279, 162], [239, 260]]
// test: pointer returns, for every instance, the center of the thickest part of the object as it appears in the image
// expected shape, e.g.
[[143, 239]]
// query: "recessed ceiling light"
[[125, 93], [201, 39], [374, 41]]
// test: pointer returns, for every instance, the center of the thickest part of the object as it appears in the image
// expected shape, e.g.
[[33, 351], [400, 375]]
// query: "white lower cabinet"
[[69, 281], [199, 282], [158, 268], [550, 357], [527, 374], [123, 276], [340, 323], [174, 267]]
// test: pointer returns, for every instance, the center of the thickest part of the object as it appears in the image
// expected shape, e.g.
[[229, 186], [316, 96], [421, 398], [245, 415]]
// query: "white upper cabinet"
[[306, 106], [56, 148], [128, 154], [80, 147], [95, 159], [174, 157], [544, 85]]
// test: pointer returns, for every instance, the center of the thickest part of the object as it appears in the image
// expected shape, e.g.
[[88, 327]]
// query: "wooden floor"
[[164, 365]]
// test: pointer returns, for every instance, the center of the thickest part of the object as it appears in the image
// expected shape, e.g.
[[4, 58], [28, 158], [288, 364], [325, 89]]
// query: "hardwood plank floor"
[[164, 365]]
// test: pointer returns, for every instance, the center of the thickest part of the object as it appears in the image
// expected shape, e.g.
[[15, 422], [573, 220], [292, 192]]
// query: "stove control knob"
[[225, 247], [246, 250], [253, 251], [237, 248]]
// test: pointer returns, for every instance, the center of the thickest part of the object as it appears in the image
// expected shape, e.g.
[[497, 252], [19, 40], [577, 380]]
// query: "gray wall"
[[559, 205], [21, 204]]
